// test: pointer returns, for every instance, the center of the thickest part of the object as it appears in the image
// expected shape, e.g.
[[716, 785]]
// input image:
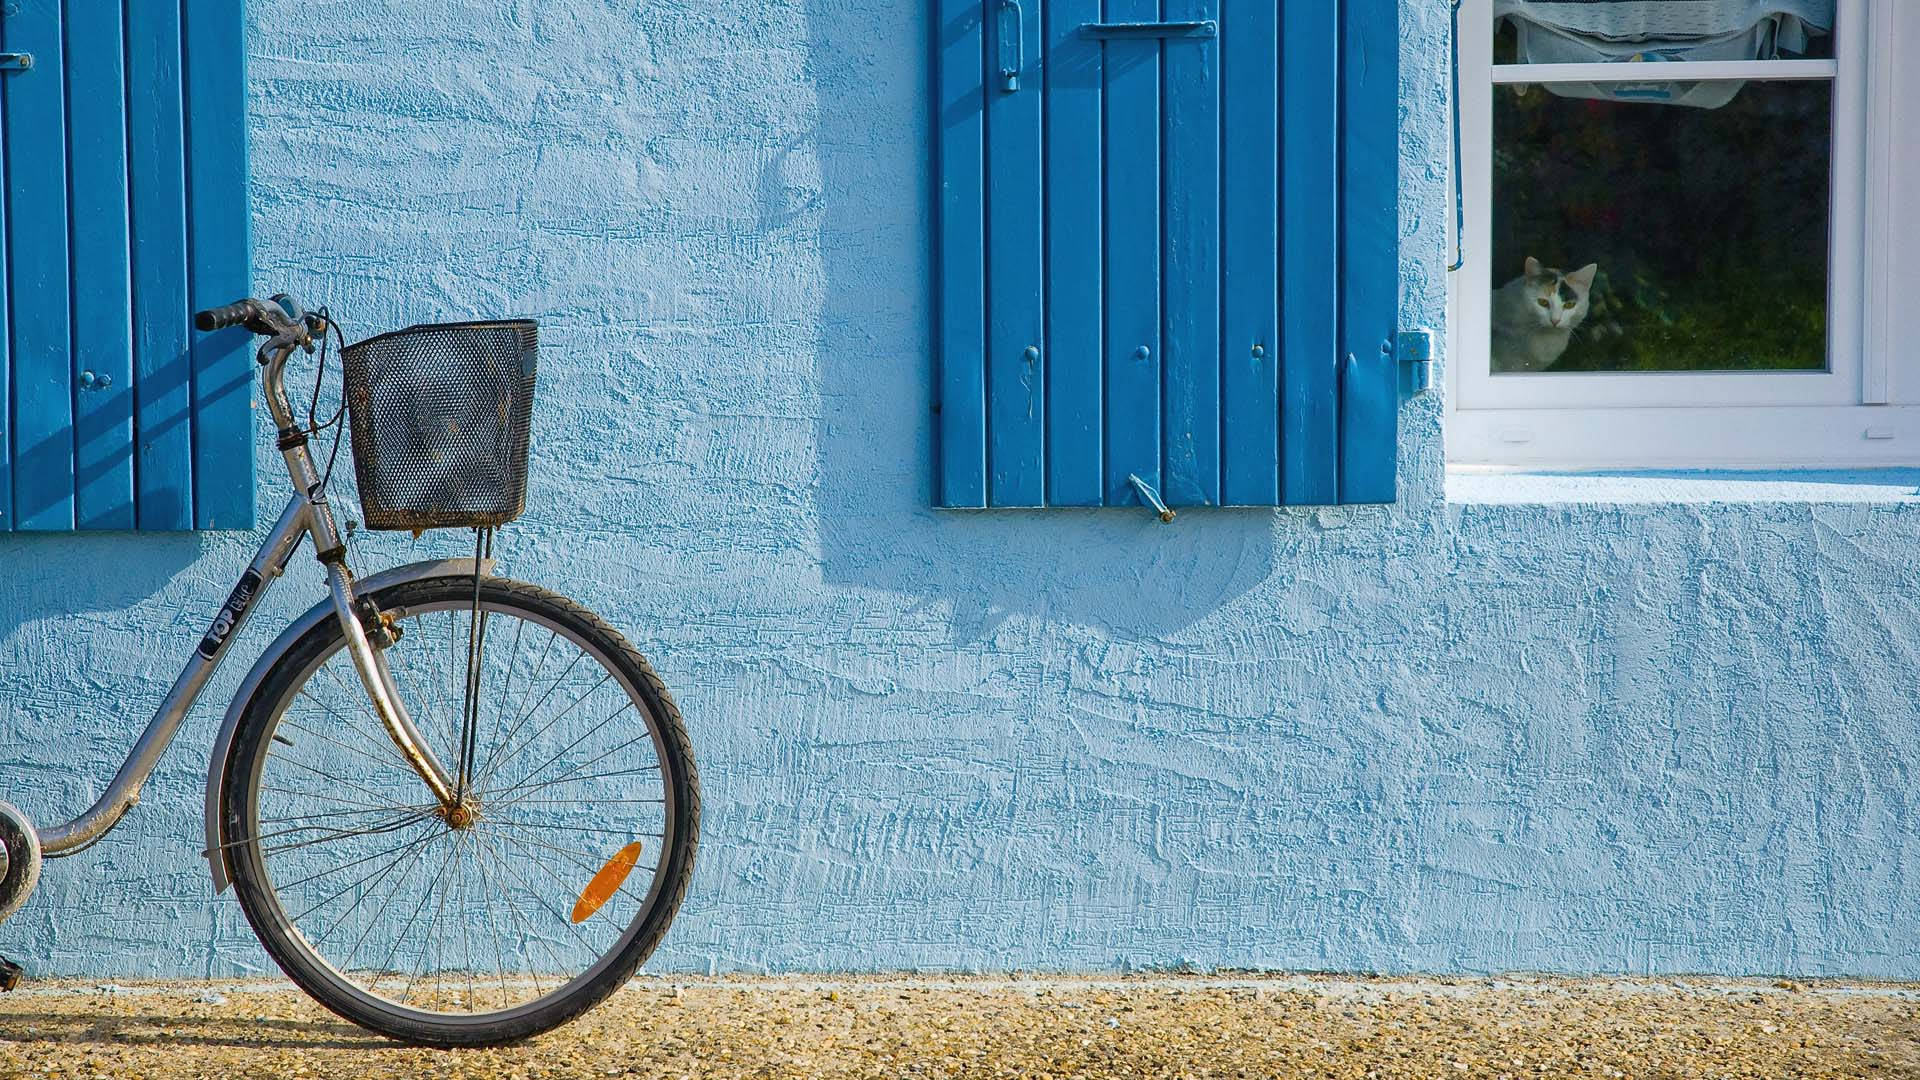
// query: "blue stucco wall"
[[1445, 736]]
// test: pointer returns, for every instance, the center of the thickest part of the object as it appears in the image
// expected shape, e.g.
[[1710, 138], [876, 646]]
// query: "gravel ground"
[[1042, 1027]]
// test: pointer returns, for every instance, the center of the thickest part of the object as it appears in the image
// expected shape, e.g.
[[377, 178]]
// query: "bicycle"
[[430, 794]]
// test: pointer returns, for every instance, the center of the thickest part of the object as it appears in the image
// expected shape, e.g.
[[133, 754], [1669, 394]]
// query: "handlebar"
[[271, 318], [238, 313], [286, 325]]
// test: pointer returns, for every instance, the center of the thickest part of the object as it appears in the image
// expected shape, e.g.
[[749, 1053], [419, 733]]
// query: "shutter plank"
[[1075, 274], [1370, 278], [960, 121], [163, 399], [216, 87], [1250, 241], [1132, 74], [1192, 362], [1310, 252], [102, 293], [1016, 302], [43, 375]]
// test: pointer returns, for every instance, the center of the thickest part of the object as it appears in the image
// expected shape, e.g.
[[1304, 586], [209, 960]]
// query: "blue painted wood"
[[216, 87], [1370, 283], [1075, 272], [1310, 252], [1132, 74], [1250, 242], [163, 397], [36, 250], [6, 378], [1192, 244], [960, 123], [1016, 293], [102, 318]]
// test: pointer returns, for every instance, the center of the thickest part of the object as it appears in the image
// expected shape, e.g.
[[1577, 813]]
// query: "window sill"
[[1496, 486]]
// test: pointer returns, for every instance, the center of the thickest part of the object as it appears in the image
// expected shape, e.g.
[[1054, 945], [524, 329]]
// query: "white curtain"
[[1656, 31]]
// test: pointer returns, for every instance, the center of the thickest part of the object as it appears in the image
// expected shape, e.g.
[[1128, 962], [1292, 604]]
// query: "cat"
[[1535, 315]]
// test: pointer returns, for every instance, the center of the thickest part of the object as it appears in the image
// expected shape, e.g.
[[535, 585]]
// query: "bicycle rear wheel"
[[456, 929]]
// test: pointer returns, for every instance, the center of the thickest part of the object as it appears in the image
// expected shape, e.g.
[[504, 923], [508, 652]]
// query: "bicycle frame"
[[307, 515]]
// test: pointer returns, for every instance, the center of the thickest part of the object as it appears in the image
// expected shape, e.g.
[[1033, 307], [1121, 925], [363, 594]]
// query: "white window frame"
[[1852, 413]]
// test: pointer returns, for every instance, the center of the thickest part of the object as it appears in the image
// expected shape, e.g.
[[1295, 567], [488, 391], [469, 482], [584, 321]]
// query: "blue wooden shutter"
[[124, 209], [1166, 249]]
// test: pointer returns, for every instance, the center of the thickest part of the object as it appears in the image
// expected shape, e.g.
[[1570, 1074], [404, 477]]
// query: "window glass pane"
[[1667, 238], [1593, 31]]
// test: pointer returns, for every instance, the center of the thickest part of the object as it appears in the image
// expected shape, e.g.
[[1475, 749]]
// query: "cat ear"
[[1533, 266], [1583, 277]]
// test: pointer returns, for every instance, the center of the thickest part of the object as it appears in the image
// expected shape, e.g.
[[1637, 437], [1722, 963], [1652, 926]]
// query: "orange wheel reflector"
[[606, 882]]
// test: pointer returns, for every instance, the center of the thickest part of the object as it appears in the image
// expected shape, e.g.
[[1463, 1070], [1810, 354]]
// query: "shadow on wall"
[[70, 633], [1119, 568], [53, 575]]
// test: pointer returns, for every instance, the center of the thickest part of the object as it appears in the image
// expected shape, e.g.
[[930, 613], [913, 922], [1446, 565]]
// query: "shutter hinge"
[[1190, 28], [16, 61], [1415, 349]]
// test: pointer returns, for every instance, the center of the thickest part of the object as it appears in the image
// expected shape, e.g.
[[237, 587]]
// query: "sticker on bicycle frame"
[[230, 612], [607, 882]]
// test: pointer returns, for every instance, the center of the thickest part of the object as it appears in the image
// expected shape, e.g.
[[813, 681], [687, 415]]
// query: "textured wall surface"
[[1445, 736]]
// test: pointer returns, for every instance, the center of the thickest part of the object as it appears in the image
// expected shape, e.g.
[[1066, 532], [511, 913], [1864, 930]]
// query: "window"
[[1672, 210]]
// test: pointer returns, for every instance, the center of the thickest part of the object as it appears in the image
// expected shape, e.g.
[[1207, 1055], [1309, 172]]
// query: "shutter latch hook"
[[1150, 497]]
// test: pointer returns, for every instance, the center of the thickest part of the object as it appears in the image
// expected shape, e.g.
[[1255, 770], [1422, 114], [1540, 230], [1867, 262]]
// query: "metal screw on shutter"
[[16, 61]]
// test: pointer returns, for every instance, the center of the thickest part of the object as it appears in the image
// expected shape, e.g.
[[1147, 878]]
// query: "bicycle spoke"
[[453, 730], [537, 827], [506, 687], [341, 813], [318, 797], [391, 760], [486, 897], [546, 945], [525, 696], [518, 724], [440, 909], [643, 736], [518, 918], [336, 869], [544, 784], [387, 964], [418, 854], [577, 802], [587, 866], [562, 882], [357, 692], [329, 778], [371, 881], [348, 834], [604, 679]]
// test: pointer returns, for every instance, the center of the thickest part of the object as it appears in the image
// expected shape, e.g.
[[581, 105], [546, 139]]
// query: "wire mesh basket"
[[439, 416]]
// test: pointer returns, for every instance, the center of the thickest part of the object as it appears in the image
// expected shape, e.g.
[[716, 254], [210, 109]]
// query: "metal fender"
[[216, 852]]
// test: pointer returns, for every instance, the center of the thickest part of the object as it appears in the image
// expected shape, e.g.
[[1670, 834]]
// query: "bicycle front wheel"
[[473, 928]]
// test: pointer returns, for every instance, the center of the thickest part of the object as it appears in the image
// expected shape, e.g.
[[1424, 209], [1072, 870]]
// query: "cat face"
[[1555, 299]]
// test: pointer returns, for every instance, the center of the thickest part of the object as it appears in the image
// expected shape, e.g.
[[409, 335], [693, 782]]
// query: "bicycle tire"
[[254, 888]]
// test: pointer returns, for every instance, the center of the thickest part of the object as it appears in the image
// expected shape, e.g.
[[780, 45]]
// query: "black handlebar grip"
[[234, 314]]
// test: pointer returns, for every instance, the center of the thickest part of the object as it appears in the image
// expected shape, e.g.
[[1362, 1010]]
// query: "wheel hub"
[[461, 815]]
